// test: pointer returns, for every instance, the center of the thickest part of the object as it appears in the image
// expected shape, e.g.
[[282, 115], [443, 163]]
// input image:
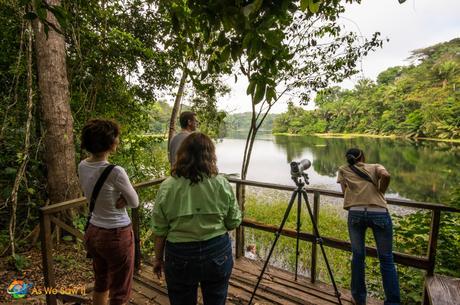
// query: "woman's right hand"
[[158, 266]]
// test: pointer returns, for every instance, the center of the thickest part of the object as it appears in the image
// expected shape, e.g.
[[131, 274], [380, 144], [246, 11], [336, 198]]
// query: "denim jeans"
[[382, 227], [207, 263]]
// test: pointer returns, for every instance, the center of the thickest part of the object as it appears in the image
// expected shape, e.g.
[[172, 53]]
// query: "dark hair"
[[185, 117], [99, 135], [196, 158], [354, 155]]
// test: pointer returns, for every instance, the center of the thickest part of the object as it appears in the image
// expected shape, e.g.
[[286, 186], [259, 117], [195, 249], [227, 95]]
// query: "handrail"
[[73, 203], [425, 263], [57, 207], [330, 193]]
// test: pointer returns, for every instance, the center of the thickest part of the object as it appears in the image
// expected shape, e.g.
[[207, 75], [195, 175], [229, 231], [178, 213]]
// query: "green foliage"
[[412, 237], [19, 262], [79, 222], [417, 101], [143, 156], [242, 122]]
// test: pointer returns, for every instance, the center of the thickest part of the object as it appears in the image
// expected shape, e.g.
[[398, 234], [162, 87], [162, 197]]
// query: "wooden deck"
[[277, 287]]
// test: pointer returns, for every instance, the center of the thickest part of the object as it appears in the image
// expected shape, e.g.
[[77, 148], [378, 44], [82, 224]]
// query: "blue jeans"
[[208, 263], [382, 227]]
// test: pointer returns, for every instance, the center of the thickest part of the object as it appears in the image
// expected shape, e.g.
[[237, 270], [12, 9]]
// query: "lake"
[[421, 170]]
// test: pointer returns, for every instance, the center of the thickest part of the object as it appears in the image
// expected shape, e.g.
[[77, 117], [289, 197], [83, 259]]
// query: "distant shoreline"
[[355, 135]]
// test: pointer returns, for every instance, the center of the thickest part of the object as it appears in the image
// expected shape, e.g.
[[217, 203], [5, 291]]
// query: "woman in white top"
[[109, 237]]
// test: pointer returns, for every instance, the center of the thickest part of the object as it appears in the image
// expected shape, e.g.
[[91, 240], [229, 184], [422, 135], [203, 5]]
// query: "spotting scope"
[[297, 168]]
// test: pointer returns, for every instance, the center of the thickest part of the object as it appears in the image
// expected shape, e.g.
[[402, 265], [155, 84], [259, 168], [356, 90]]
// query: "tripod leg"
[[320, 241], [277, 235], [299, 210]]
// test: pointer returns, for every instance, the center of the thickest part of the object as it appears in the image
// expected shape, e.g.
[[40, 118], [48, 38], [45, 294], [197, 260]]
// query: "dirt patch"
[[73, 273]]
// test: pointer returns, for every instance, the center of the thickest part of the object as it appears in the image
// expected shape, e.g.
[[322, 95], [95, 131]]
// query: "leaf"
[[274, 37], [260, 93], [67, 238], [314, 6], [252, 8], [304, 5], [225, 53], [236, 51], [271, 94], [203, 75], [247, 39], [251, 87]]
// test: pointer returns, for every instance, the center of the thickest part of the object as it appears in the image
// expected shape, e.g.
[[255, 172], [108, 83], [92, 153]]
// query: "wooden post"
[[239, 232], [314, 250], [137, 240], [47, 257], [432, 246], [433, 241]]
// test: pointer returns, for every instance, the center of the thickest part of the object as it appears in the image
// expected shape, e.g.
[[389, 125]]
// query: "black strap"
[[362, 174], [97, 188]]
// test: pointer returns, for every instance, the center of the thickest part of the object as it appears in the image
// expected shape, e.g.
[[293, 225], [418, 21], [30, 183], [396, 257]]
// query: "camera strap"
[[362, 174], [97, 188]]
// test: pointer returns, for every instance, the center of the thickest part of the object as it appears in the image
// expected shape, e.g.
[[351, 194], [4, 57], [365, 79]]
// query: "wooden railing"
[[426, 263]]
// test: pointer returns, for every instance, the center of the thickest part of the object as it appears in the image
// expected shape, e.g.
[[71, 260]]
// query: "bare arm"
[[158, 263]]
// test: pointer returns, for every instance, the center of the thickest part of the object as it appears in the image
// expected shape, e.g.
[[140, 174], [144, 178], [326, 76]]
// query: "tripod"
[[299, 192]]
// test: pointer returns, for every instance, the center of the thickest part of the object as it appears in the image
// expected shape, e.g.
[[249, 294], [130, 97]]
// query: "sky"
[[409, 26]]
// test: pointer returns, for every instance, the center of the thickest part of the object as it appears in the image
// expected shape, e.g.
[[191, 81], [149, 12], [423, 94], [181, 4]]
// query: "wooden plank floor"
[[277, 287]]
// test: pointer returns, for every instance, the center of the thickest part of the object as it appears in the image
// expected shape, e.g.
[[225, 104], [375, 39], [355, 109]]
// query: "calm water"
[[421, 170]]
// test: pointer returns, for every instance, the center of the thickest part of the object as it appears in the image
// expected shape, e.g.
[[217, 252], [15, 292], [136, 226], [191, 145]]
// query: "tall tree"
[[55, 108]]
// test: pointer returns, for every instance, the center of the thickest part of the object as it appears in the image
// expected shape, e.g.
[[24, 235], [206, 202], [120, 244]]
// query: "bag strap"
[[362, 174], [97, 188]]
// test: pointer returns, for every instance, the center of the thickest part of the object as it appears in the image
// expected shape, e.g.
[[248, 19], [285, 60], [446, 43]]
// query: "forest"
[[141, 63], [421, 100]]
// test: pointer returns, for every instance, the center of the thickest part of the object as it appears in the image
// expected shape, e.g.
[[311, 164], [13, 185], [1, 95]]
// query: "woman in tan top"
[[363, 186]]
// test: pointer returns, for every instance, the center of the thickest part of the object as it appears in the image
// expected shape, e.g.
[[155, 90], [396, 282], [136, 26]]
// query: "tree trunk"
[[175, 110], [55, 111]]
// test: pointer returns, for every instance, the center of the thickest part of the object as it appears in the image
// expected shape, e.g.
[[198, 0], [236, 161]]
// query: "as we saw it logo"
[[18, 289]]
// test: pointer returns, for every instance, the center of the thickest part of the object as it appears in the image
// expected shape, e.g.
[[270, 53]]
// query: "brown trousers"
[[113, 261]]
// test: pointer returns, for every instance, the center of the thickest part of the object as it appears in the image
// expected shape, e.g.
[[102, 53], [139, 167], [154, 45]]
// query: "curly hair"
[[196, 158], [99, 135]]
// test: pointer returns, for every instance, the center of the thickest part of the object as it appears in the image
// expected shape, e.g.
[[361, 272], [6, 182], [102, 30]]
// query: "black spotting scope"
[[297, 168]]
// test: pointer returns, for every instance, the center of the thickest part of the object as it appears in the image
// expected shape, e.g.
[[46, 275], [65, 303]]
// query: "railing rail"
[[425, 263]]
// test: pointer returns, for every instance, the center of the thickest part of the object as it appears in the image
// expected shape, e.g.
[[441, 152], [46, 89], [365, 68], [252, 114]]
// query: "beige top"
[[360, 192]]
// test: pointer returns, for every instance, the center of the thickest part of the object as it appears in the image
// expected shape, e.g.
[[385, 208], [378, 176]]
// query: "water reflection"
[[421, 170]]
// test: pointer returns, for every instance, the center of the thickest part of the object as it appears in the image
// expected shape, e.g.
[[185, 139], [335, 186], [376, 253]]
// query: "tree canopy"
[[419, 100]]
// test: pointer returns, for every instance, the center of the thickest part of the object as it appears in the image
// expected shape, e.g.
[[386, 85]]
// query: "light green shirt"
[[184, 212]]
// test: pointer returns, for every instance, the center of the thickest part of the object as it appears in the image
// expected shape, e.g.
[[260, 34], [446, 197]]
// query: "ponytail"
[[353, 155]]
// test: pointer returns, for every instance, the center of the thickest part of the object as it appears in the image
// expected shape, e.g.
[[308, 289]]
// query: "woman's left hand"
[[121, 202], [158, 267]]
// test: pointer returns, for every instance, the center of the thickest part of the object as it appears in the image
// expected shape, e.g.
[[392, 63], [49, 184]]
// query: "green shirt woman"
[[193, 211]]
